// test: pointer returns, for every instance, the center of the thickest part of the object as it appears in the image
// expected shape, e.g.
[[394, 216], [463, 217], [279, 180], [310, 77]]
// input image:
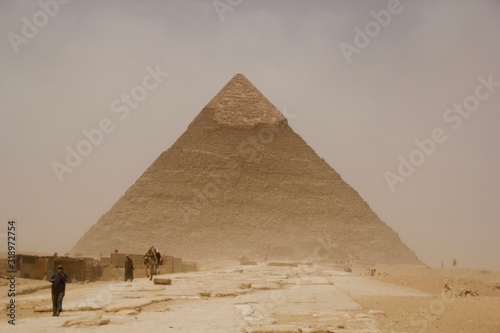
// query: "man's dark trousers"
[[57, 298]]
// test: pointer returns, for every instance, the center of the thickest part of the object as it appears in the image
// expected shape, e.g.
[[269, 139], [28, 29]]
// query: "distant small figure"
[[58, 280], [129, 269], [442, 264], [454, 263], [158, 257]]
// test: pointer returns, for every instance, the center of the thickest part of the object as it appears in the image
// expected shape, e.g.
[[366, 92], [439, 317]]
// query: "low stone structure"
[[37, 267], [89, 269]]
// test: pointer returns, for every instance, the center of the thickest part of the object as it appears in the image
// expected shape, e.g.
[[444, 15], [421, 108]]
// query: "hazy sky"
[[360, 81]]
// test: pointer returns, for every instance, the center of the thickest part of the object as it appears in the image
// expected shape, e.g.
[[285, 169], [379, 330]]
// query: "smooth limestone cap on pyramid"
[[239, 103], [239, 181]]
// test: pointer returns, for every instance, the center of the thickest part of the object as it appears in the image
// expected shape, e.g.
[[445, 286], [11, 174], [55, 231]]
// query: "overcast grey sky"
[[362, 80]]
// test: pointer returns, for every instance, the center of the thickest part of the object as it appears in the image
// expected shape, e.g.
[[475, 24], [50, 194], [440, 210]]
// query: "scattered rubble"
[[162, 281], [459, 292], [94, 319]]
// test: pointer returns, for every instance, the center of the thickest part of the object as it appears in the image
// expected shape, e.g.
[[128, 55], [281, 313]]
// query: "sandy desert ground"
[[228, 297]]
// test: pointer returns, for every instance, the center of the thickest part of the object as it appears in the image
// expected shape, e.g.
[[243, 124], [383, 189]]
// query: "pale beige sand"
[[226, 297]]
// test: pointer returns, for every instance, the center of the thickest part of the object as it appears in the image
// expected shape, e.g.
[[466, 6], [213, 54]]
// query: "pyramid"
[[240, 181]]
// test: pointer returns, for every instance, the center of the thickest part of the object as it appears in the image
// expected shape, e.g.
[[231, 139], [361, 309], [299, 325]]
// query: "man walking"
[[58, 280]]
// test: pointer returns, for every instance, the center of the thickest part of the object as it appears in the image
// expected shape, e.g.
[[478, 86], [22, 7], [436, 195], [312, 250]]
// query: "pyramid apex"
[[239, 75], [240, 103]]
